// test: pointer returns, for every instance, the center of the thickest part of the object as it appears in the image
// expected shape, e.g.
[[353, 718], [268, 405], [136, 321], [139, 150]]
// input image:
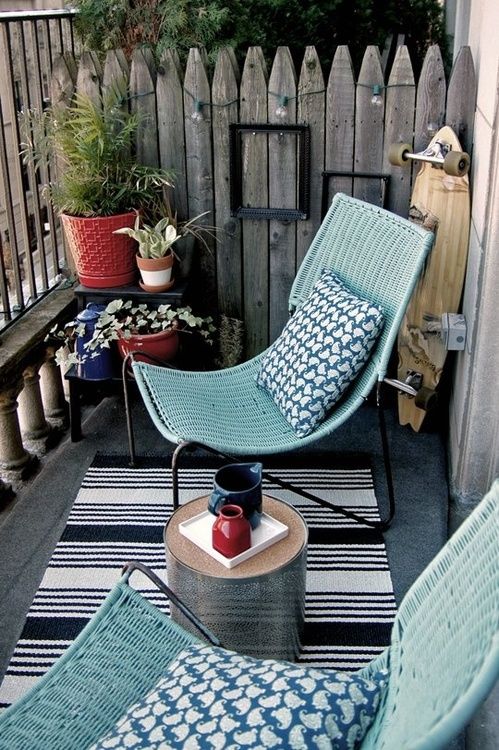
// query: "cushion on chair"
[[319, 353], [212, 698]]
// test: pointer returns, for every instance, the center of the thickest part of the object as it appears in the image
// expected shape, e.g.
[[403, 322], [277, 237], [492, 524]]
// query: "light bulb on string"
[[282, 107], [197, 115], [377, 99]]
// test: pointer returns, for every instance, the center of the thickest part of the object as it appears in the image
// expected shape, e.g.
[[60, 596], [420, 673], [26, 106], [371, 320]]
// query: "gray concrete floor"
[[30, 528]]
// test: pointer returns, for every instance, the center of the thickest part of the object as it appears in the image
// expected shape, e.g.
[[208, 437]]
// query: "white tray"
[[198, 529]]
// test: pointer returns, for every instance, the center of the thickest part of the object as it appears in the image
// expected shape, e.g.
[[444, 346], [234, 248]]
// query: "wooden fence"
[[249, 271]]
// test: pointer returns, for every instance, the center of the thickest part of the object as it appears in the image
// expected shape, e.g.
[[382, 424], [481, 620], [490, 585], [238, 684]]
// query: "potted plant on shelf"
[[151, 330], [99, 187], [156, 256]]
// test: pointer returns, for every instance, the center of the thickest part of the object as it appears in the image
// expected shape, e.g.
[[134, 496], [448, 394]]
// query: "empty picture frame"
[[301, 191]]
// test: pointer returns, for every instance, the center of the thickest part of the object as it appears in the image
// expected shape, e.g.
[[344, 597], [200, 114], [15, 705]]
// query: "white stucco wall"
[[474, 409]]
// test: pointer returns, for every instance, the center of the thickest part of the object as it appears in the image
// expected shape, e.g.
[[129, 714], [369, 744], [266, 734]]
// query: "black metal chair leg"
[[176, 453], [128, 411], [386, 458]]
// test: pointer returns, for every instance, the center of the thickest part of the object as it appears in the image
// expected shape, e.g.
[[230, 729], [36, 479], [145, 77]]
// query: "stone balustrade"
[[33, 409]]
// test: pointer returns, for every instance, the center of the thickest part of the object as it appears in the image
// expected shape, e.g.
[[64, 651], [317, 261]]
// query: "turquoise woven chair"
[[380, 257], [442, 662]]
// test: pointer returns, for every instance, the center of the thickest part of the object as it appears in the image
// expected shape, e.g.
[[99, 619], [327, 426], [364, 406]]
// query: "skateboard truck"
[[439, 154], [412, 386]]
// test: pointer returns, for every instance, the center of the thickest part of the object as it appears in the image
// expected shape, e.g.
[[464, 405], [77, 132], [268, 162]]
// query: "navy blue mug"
[[238, 484]]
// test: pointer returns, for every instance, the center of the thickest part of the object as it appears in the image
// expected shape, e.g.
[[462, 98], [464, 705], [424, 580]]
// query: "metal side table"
[[256, 608]]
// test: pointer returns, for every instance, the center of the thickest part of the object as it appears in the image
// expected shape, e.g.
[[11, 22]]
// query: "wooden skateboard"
[[439, 201]]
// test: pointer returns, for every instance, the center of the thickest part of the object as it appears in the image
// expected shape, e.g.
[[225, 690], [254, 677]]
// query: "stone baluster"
[[54, 402], [34, 426], [14, 459]]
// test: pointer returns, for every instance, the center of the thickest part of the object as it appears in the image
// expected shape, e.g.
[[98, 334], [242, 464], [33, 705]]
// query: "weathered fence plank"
[[171, 135], [340, 124], [282, 189], [198, 149], [228, 246], [115, 71], [63, 81], [369, 128], [253, 109], [311, 112], [89, 76], [461, 98], [430, 99], [143, 102], [399, 126]]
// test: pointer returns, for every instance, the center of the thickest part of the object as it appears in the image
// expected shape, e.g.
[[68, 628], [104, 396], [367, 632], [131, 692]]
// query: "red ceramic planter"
[[102, 259], [163, 345], [231, 532]]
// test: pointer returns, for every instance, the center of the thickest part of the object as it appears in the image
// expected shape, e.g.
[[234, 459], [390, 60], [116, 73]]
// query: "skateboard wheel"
[[457, 163], [426, 398], [397, 154]]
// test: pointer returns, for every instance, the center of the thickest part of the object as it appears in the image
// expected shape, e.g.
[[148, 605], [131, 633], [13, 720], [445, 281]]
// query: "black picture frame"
[[236, 174], [327, 174]]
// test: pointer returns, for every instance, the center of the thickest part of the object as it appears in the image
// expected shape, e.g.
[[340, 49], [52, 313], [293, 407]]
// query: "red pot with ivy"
[[163, 345]]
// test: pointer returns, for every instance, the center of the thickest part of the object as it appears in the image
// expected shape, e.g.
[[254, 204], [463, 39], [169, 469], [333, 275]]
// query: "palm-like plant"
[[92, 143]]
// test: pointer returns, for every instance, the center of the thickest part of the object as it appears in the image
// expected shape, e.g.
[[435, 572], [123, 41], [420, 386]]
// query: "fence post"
[[198, 147], [340, 124], [311, 112], [461, 98], [171, 133], [228, 247], [430, 99], [143, 101], [369, 119], [282, 190], [253, 109], [399, 128]]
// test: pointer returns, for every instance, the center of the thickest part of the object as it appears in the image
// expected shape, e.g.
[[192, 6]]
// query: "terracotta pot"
[[231, 533], [102, 259], [156, 273], [163, 345]]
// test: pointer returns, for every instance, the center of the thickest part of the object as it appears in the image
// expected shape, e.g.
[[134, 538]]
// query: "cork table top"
[[269, 560]]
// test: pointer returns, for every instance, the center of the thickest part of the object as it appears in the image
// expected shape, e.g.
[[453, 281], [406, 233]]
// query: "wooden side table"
[[256, 608]]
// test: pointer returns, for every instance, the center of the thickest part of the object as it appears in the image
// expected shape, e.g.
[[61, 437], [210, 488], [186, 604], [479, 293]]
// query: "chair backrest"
[[444, 655], [376, 253]]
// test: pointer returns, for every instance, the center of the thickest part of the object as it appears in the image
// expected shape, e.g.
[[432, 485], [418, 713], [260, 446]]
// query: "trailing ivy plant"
[[92, 144]]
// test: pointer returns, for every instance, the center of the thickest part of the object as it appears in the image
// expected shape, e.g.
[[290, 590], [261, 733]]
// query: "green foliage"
[[92, 144], [154, 242], [122, 319], [268, 23]]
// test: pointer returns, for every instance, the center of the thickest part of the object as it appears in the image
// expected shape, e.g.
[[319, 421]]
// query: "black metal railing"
[[31, 245]]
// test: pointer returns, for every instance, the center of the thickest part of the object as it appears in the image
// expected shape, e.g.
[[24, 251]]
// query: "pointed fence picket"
[[187, 114]]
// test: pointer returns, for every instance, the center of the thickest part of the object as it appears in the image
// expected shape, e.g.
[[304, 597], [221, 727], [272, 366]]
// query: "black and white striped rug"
[[119, 515]]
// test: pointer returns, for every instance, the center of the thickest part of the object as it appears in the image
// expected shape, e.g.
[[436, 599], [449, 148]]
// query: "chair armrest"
[[134, 565]]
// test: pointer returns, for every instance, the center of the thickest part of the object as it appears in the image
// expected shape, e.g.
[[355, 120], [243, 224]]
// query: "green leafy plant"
[[123, 319], [157, 241], [154, 242], [92, 145]]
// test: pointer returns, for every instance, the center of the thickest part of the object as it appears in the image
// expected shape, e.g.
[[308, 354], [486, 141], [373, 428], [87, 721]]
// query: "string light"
[[282, 107], [197, 115], [377, 99]]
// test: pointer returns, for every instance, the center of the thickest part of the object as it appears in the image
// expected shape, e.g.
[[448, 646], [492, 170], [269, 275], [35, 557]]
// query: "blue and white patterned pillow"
[[213, 699], [319, 353]]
